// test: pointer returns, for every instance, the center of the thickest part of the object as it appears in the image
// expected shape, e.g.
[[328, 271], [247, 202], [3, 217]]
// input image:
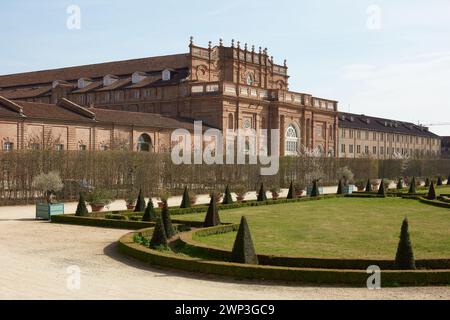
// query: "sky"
[[381, 58]]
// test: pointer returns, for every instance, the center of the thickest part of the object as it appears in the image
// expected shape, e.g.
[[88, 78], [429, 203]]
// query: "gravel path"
[[35, 257]]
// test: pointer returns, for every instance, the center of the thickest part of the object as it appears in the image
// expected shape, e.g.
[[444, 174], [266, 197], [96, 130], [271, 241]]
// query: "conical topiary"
[[82, 210], [315, 190], [340, 189], [439, 181], [212, 218], [427, 183], [412, 187], [227, 198], [368, 186], [404, 260], [290, 195], [167, 221], [448, 180], [382, 189], [140, 203], [431, 192], [150, 214], [262, 196], [400, 184], [243, 249], [186, 202], [159, 238]]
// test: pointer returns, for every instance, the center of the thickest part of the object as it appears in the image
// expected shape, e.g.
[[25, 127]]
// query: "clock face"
[[250, 79], [247, 124]]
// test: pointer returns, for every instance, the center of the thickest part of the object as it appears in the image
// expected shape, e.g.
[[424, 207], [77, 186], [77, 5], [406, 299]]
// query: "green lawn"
[[340, 228]]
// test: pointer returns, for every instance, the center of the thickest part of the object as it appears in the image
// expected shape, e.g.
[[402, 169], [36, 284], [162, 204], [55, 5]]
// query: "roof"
[[118, 68], [363, 122], [66, 110]]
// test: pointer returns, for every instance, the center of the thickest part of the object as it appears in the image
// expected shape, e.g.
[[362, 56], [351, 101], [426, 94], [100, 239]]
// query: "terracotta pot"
[[298, 194], [160, 204], [97, 207], [130, 206], [240, 198], [275, 195]]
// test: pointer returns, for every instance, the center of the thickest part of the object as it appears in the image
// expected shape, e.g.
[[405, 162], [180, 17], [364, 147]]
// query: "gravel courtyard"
[[35, 257]]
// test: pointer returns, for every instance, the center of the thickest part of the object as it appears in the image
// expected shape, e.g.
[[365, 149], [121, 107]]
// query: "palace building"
[[225, 87]]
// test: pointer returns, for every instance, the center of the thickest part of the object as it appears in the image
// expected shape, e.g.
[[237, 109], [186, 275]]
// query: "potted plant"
[[360, 185], [99, 199], [49, 184], [299, 190], [192, 198], [241, 192], [130, 203], [275, 192]]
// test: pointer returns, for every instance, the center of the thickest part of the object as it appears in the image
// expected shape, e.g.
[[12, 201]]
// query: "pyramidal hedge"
[[212, 218], [149, 214], [368, 186], [140, 203], [431, 192], [167, 221], [340, 189], [382, 190], [262, 196], [227, 198], [404, 259], [159, 238], [412, 186], [290, 195], [186, 201], [243, 249], [315, 190]]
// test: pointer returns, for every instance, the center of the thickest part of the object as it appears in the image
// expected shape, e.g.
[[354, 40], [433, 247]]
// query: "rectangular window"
[[374, 150], [366, 149], [59, 147], [352, 134], [343, 133], [8, 146], [82, 147], [358, 134], [382, 150], [367, 135], [35, 146], [358, 149], [319, 132], [351, 148], [136, 94], [343, 148], [374, 136]]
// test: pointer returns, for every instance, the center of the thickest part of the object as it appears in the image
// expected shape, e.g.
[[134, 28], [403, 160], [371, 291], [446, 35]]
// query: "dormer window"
[[166, 75], [138, 77], [109, 80], [83, 83]]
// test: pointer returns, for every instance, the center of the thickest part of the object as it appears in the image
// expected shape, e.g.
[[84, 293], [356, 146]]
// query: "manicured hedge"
[[298, 262], [100, 222], [436, 203], [273, 273]]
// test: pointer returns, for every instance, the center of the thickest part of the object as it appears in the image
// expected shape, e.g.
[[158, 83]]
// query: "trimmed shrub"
[[382, 190], [159, 238], [167, 221], [404, 259], [315, 190], [427, 183], [212, 218], [82, 210], [186, 201], [227, 198], [400, 184], [290, 195], [340, 189], [149, 214], [432, 192], [439, 181], [243, 249], [412, 187], [116, 217], [368, 186], [140, 203], [262, 196], [448, 180]]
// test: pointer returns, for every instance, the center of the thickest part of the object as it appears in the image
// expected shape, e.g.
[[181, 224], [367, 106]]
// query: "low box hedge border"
[[101, 222], [436, 203], [355, 278], [297, 262]]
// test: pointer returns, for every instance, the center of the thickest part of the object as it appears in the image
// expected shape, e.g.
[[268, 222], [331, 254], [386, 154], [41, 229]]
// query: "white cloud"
[[416, 89]]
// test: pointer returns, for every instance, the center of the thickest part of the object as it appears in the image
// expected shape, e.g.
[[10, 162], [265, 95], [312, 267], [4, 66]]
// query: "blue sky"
[[399, 69]]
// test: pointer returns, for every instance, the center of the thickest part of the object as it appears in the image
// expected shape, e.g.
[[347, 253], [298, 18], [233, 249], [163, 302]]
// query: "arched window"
[[291, 148], [145, 143]]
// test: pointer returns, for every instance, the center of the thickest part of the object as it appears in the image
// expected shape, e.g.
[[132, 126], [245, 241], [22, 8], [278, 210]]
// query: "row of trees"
[[126, 172]]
